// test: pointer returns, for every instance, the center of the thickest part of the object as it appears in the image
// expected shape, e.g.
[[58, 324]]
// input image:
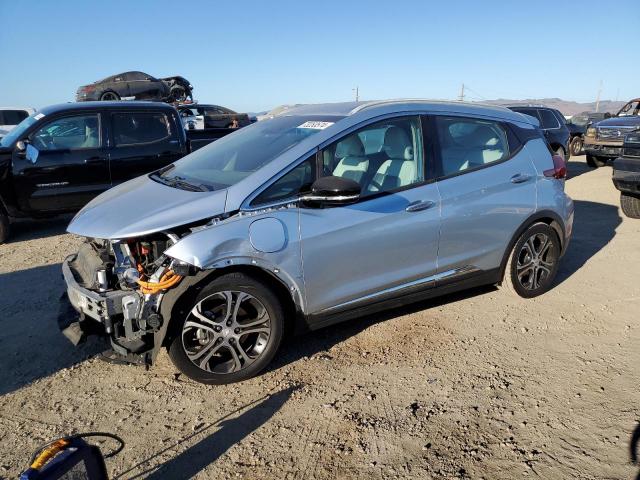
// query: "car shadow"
[[633, 448], [594, 226], [31, 345], [30, 229], [577, 168], [229, 430]]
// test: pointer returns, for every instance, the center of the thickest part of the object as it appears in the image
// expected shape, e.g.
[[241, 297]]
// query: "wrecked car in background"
[[12, 116], [137, 86], [205, 256]]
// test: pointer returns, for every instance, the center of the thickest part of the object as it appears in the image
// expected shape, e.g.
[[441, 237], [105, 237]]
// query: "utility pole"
[[357, 93], [598, 97], [461, 97]]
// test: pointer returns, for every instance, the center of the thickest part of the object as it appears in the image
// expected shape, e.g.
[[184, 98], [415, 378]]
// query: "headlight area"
[[591, 132], [120, 284]]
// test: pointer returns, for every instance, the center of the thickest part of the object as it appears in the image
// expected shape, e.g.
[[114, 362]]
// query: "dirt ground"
[[476, 385]]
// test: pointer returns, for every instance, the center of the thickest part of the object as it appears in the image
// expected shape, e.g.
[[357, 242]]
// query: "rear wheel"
[[595, 162], [533, 262], [231, 333], [576, 146], [109, 96], [630, 205], [4, 228], [178, 94]]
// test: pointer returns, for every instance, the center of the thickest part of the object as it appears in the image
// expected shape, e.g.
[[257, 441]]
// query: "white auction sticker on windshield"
[[316, 125], [39, 116]]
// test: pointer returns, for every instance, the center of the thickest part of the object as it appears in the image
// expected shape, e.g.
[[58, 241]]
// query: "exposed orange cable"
[[49, 452], [168, 280]]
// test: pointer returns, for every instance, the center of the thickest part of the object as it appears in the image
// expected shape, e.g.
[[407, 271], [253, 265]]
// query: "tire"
[[212, 345], [528, 275], [109, 96], [575, 147], [4, 228], [177, 94], [630, 205], [595, 162]]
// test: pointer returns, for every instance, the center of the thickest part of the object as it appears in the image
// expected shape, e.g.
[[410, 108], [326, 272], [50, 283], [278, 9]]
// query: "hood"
[[630, 121], [142, 206]]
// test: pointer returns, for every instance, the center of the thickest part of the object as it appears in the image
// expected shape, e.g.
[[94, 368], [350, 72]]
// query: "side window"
[[12, 117], [467, 143], [77, 132], [131, 128], [291, 184], [548, 119], [381, 157]]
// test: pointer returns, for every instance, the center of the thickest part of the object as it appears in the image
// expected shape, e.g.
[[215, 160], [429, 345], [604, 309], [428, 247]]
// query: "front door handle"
[[94, 160], [419, 205], [520, 178]]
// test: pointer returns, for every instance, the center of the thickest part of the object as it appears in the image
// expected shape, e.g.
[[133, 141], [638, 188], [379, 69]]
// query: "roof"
[[115, 105], [371, 108]]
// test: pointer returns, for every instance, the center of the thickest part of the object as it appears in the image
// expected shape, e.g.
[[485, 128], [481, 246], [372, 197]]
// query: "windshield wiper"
[[179, 182]]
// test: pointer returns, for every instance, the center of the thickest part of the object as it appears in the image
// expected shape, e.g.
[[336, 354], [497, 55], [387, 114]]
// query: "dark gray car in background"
[[138, 86]]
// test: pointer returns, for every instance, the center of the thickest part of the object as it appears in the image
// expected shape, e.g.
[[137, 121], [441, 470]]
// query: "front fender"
[[269, 241]]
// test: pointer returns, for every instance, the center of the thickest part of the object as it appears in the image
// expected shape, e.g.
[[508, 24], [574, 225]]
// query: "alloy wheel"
[[536, 261], [226, 332]]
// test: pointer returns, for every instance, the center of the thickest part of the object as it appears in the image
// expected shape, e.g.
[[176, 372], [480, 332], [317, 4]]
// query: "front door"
[[487, 186], [65, 167], [388, 241]]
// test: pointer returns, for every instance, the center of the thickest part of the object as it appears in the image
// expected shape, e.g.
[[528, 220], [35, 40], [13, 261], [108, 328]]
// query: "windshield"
[[631, 108], [19, 129], [579, 120], [232, 158]]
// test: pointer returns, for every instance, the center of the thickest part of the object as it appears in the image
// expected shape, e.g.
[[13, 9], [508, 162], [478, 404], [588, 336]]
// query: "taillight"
[[559, 169]]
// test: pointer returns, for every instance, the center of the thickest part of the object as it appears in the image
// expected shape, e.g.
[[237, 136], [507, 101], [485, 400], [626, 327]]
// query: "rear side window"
[[12, 117], [548, 119], [468, 143], [135, 128]]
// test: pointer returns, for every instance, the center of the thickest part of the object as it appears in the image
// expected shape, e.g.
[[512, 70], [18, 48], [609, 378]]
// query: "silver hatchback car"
[[321, 214]]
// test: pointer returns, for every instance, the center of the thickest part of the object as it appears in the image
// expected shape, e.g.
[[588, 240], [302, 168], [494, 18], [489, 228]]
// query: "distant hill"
[[566, 107]]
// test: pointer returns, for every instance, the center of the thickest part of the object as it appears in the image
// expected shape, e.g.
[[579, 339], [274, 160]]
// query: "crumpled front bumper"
[[83, 311]]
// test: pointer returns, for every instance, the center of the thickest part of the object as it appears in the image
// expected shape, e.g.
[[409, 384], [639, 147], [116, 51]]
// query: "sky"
[[254, 55]]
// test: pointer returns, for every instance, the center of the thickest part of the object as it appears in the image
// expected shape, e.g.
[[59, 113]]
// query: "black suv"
[[552, 123]]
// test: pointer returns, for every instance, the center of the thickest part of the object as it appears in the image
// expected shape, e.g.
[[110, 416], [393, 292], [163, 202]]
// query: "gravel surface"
[[476, 385]]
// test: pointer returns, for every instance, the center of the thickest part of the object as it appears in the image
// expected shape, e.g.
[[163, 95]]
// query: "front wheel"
[[576, 146], [178, 94], [595, 162], [533, 262], [231, 333], [630, 205]]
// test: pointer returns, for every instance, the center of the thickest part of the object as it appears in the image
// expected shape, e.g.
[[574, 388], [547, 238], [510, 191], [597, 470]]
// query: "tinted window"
[[381, 157], [12, 117], [467, 143], [548, 119], [532, 112], [77, 132], [136, 128], [297, 181], [137, 76]]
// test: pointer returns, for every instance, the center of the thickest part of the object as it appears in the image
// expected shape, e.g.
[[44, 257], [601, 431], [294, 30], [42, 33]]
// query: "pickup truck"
[[626, 175], [59, 158], [603, 141]]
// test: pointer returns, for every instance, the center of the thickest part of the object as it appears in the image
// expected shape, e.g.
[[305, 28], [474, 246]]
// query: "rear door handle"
[[419, 205], [520, 178]]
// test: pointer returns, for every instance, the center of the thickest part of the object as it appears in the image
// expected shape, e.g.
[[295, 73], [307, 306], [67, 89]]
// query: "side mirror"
[[21, 146], [332, 191], [607, 115]]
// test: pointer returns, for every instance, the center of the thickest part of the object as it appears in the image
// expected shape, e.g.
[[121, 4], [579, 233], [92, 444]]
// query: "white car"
[[12, 116]]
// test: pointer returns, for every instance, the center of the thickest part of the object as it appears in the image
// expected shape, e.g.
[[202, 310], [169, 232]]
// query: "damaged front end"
[[116, 287]]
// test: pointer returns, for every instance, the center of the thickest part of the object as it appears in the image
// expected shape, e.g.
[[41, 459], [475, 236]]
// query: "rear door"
[[67, 164], [487, 188], [142, 141]]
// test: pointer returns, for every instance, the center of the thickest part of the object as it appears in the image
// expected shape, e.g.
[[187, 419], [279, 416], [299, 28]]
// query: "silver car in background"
[[322, 214]]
